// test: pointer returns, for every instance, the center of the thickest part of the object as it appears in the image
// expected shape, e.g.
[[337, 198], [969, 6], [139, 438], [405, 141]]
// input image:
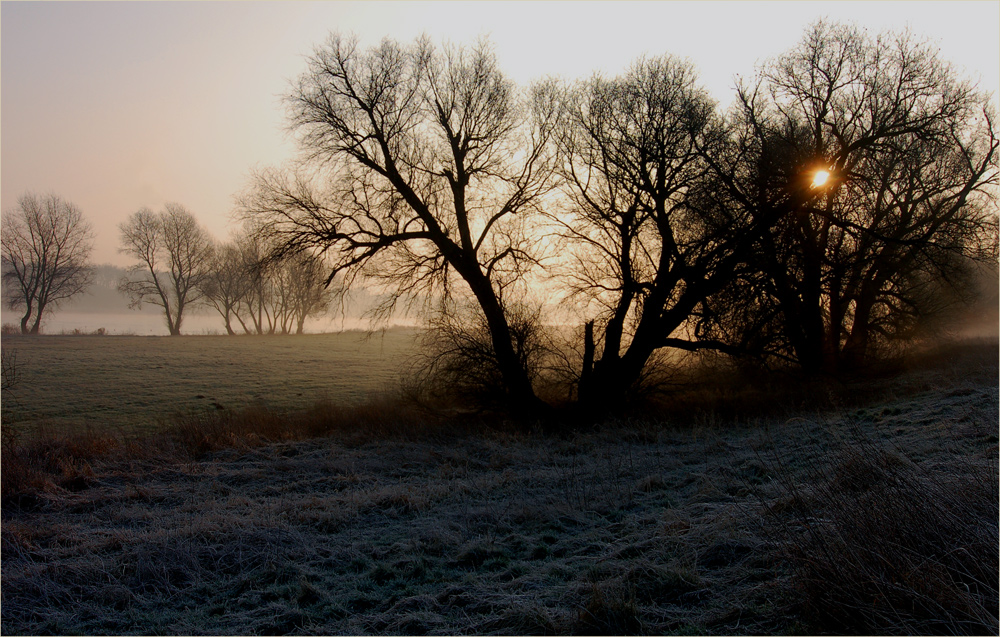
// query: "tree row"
[[846, 199], [47, 244]]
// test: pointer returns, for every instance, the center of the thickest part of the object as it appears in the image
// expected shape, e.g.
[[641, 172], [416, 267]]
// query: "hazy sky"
[[119, 105]]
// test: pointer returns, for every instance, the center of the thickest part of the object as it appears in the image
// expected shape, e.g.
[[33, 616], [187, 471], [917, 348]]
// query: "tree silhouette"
[[227, 283], [425, 168], [911, 152], [46, 244], [175, 257], [650, 235], [265, 295], [301, 281], [842, 201]]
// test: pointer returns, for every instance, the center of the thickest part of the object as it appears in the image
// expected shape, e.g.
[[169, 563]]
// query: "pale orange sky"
[[120, 105]]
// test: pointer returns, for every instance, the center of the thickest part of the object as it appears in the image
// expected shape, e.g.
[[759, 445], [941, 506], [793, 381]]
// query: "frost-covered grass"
[[639, 526]]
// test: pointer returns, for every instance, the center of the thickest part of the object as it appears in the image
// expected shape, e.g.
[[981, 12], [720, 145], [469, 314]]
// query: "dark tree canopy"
[[911, 150], [650, 237]]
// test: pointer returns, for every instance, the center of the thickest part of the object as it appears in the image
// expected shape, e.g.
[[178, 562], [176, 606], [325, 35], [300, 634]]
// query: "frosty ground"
[[636, 526]]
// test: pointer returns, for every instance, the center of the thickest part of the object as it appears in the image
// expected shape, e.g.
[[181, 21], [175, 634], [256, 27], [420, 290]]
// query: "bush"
[[458, 363], [47, 460]]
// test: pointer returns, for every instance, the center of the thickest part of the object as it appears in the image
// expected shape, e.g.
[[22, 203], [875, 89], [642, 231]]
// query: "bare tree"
[[426, 168], [227, 283], [263, 295], [911, 154], [175, 257], [46, 245], [649, 234], [303, 287], [254, 309], [261, 309]]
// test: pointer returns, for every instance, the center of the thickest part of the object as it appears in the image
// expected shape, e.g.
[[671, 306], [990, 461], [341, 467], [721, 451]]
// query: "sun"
[[820, 178]]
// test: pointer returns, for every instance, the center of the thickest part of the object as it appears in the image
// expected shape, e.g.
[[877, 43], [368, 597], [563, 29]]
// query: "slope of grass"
[[720, 527]]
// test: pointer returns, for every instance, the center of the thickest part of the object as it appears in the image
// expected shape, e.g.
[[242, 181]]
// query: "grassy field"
[[870, 518], [133, 383]]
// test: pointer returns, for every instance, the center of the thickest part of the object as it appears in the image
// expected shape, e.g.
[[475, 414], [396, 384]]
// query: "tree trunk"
[[172, 327], [516, 381], [585, 386], [180, 317], [36, 327], [856, 347], [24, 320]]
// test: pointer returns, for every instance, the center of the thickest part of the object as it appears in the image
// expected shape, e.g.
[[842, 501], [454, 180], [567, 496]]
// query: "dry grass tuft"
[[53, 462], [40, 460], [382, 418], [885, 545], [610, 610]]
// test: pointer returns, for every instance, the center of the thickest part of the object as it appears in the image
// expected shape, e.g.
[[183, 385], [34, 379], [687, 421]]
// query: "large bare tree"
[[650, 234], [910, 150], [174, 256], [424, 168], [46, 245]]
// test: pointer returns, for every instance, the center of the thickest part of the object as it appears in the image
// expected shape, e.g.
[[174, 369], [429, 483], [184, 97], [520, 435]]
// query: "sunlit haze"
[[119, 105]]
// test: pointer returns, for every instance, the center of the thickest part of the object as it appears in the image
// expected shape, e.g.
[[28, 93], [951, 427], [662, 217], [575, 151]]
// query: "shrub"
[[46, 459], [14, 472], [458, 363], [10, 371]]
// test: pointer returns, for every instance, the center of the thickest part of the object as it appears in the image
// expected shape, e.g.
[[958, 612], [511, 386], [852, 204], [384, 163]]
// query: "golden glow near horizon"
[[820, 178]]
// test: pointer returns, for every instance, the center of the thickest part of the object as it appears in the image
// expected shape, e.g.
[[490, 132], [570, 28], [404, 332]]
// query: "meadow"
[[133, 384], [863, 507]]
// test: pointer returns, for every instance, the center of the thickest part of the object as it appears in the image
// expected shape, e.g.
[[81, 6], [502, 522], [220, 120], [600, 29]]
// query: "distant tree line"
[[266, 295], [179, 265], [47, 243], [841, 205]]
